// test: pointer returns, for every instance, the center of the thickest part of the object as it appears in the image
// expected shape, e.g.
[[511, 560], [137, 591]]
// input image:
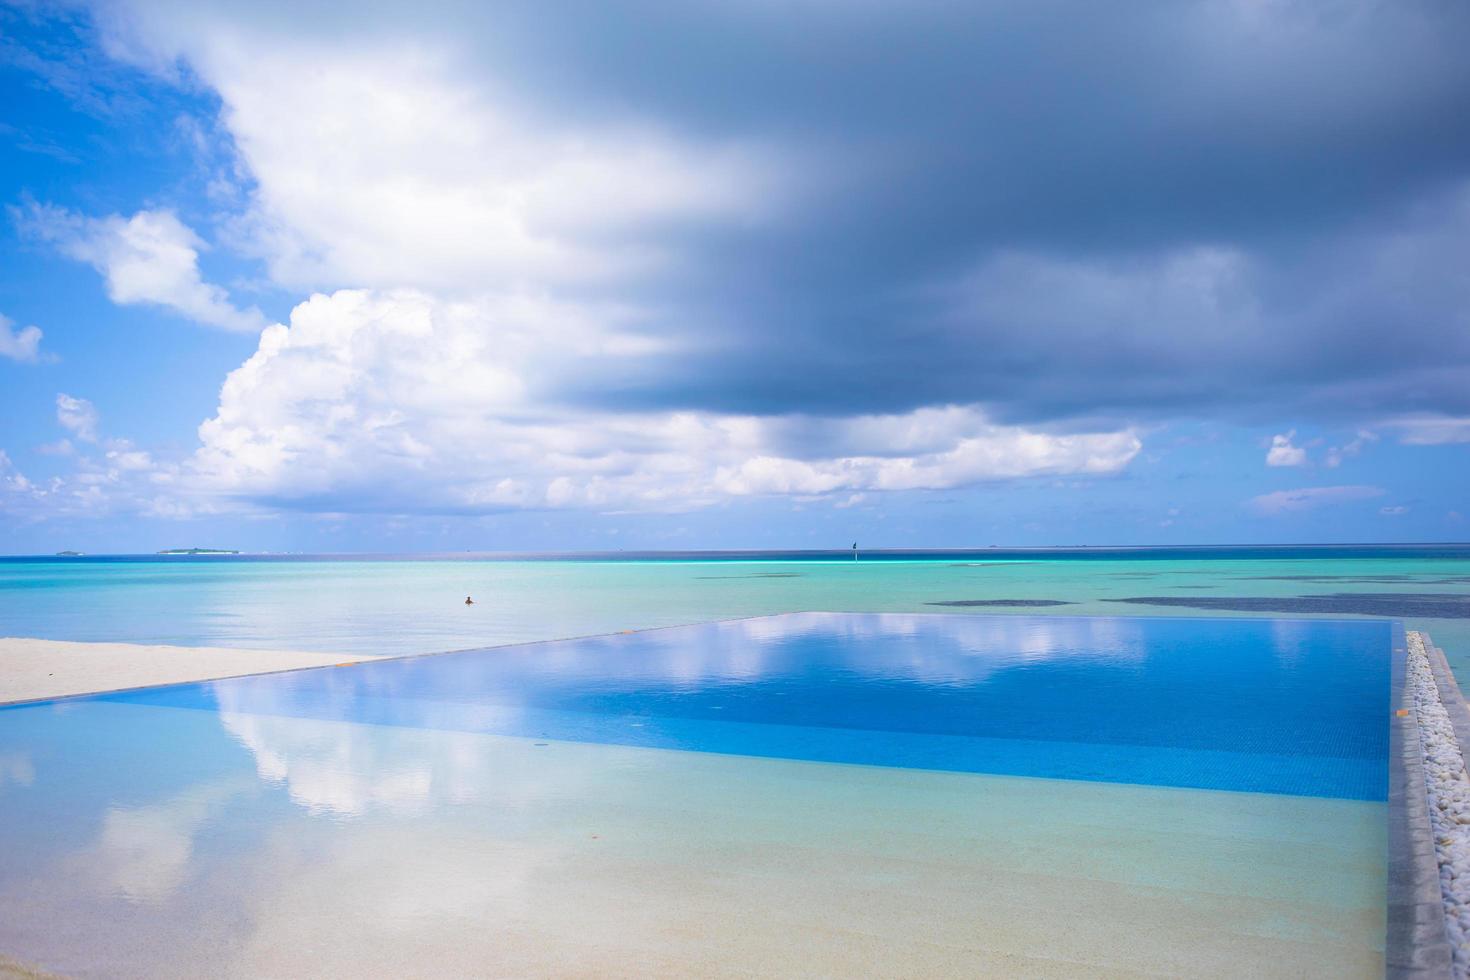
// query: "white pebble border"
[[1449, 801]]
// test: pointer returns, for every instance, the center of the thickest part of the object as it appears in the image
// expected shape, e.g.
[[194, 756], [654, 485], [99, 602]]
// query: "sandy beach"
[[32, 669]]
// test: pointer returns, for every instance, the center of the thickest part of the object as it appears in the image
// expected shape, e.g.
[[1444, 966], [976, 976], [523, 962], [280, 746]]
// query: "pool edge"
[[1416, 944]]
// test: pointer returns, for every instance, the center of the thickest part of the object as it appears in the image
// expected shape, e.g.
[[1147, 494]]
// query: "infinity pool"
[[799, 794]]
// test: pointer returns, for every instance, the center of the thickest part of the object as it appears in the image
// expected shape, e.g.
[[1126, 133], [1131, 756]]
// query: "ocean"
[[415, 604]]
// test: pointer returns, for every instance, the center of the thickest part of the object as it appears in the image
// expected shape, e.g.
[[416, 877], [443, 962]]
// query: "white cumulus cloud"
[[402, 164], [151, 257], [12, 479], [1283, 453], [1336, 454], [398, 401], [22, 345], [123, 455], [78, 416]]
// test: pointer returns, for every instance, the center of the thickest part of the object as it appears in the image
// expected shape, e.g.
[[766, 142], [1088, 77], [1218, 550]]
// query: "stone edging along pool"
[[1429, 817]]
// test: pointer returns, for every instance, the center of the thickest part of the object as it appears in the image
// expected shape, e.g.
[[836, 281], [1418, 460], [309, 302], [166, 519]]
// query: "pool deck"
[[35, 670], [1416, 945]]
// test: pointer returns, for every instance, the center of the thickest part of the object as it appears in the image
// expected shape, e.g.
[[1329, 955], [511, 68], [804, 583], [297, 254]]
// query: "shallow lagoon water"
[[573, 808], [416, 606]]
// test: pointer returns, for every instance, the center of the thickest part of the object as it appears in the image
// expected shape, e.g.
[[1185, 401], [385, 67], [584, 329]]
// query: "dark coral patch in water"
[[752, 575], [1027, 603], [1361, 579], [1430, 605]]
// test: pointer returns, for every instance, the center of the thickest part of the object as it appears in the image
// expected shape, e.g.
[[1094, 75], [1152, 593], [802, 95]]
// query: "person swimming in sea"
[[468, 601]]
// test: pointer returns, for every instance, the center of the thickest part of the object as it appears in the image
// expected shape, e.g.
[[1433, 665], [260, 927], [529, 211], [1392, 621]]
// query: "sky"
[[642, 274]]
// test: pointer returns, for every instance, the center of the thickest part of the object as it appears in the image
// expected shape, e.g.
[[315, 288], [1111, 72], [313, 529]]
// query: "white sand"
[[31, 669]]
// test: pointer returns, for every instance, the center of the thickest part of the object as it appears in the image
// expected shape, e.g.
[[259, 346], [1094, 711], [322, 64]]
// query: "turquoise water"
[[415, 606], [1014, 794]]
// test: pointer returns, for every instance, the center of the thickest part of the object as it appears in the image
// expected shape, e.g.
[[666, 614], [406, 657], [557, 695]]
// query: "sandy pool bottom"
[[146, 841]]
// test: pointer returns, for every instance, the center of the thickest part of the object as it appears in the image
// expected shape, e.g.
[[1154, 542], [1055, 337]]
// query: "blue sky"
[[646, 274]]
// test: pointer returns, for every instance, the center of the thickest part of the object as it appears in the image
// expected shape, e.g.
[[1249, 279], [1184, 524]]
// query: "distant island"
[[198, 551], [69, 554]]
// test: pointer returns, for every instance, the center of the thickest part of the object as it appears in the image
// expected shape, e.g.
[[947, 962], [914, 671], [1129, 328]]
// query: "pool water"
[[1283, 706], [801, 794]]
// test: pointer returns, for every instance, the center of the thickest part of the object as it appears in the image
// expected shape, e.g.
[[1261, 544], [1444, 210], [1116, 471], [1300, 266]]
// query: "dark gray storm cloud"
[[1063, 210]]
